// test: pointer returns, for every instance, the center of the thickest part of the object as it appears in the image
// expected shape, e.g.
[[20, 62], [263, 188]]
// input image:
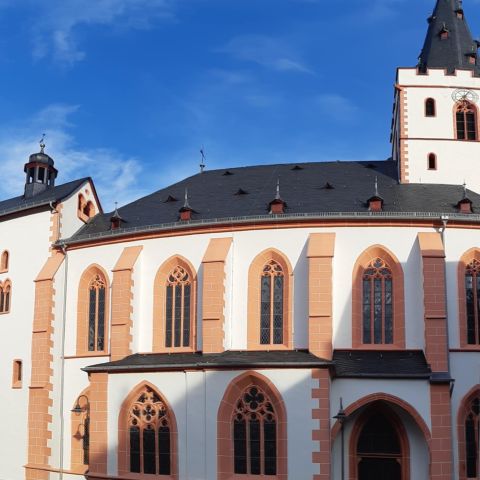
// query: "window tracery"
[[5, 294], [254, 434], [178, 308], [271, 304], [149, 430], [377, 303]]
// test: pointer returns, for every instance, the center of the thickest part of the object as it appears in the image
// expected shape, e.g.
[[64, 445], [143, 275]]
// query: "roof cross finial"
[[277, 196], [202, 162], [42, 143], [186, 204], [376, 186]]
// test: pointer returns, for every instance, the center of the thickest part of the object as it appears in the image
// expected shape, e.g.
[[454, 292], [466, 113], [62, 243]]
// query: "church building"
[[304, 321]]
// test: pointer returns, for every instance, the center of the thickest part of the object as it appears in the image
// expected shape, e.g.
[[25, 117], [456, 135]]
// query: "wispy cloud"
[[114, 174], [267, 51], [337, 107], [55, 22]]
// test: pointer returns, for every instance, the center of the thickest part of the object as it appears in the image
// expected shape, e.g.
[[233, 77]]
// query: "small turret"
[[40, 172]]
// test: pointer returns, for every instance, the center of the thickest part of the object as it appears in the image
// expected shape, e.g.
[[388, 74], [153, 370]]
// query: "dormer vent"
[[296, 168], [277, 206], [116, 220], [186, 211], [170, 199], [241, 191], [465, 204], [328, 186], [227, 173], [375, 203], [444, 32]]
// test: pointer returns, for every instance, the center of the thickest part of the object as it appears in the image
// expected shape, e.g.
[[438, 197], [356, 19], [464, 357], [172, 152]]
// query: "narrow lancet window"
[[430, 107], [271, 304], [472, 287], [472, 431], [466, 121], [178, 309], [378, 303], [96, 314]]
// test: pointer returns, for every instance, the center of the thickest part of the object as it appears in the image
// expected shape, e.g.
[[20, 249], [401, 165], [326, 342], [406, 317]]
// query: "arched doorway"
[[379, 445]]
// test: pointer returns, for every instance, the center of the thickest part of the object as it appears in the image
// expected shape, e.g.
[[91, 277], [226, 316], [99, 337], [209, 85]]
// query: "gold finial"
[[42, 144]]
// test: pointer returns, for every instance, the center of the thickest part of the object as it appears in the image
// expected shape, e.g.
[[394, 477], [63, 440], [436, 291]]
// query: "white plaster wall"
[[457, 242], [405, 248], [70, 221], [195, 398], [27, 256]]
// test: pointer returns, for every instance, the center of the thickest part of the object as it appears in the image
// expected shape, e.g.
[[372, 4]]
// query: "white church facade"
[[308, 321]]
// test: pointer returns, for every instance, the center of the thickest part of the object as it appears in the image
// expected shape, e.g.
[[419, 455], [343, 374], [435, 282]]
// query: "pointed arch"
[[80, 431], [378, 276], [381, 417], [466, 121], [4, 261], [270, 287], [234, 393], [93, 311], [468, 298], [175, 284], [168, 420], [468, 428]]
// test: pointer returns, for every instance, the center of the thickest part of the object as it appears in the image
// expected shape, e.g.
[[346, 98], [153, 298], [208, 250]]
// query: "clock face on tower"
[[464, 95]]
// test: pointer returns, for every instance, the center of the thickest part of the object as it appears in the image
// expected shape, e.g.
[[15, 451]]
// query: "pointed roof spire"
[[186, 204], [277, 195], [449, 43]]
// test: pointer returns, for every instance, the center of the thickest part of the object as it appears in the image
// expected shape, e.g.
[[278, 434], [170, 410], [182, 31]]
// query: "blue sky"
[[128, 91]]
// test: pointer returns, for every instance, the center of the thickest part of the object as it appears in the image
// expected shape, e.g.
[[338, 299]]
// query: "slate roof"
[[197, 360], [55, 194], [385, 364], [308, 188], [451, 53]]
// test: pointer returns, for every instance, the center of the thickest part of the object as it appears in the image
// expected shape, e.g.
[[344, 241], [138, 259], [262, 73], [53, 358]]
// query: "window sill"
[[175, 350], [17, 386], [466, 349], [380, 346], [87, 355], [5, 270], [268, 348], [142, 476]]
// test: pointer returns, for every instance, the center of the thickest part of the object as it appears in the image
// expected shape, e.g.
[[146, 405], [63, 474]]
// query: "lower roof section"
[[395, 364], [212, 361]]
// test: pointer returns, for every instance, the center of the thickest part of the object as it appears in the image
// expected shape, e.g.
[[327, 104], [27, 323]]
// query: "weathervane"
[[42, 143], [202, 162]]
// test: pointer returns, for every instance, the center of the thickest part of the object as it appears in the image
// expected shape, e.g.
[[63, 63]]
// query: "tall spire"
[[449, 43]]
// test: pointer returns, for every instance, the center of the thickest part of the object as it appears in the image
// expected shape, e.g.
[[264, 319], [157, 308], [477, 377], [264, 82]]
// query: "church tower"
[[436, 124]]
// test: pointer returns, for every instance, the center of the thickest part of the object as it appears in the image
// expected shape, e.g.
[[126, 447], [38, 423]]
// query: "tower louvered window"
[[254, 434], [472, 287], [96, 314], [472, 431], [178, 313], [378, 303], [149, 430], [466, 121], [271, 304]]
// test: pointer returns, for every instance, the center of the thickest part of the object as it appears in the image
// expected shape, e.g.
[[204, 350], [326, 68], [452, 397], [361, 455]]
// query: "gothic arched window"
[[178, 314], [472, 299], [430, 110], [5, 293], [149, 435], [4, 261], [466, 121], [432, 161], [254, 434], [271, 304], [96, 314], [377, 303]]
